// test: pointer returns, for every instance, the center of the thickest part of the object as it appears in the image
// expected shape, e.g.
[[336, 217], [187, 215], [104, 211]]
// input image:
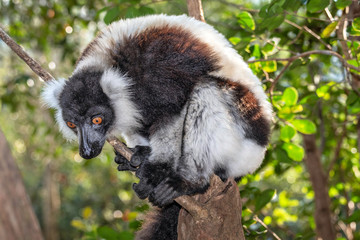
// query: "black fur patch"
[[160, 224], [83, 92], [257, 126], [164, 64]]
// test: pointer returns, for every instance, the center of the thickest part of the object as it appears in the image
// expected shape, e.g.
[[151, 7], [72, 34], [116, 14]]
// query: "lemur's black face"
[[87, 111]]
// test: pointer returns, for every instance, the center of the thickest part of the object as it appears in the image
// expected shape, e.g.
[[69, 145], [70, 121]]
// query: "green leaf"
[[234, 40], [132, 12], [354, 108], [317, 5], [107, 233], [275, 21], [294, 151], [290, 96], [268, 47], [287, 133], [352, 98], [246, 21], [282, 156], [355, 217], [143, 10], [341, 4], [255, 51], [292, 5], [111, 15], [304, 126], [264, 198], [322, 91], [269, 66], [356, 24], [329, 29]]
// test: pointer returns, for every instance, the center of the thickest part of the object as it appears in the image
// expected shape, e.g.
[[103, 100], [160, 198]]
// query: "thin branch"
[[35, 66], [305, 54], [256, 218], [312, 33]]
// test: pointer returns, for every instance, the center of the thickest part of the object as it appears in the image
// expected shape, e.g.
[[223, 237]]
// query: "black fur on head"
[[82, 100]]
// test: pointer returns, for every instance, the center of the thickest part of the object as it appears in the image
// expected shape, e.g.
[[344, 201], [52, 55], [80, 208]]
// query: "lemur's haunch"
[[177, 91]]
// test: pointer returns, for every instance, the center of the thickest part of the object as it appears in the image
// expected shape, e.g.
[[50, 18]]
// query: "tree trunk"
[[17, 218], [324, 226], [51, 204], [219, 217]]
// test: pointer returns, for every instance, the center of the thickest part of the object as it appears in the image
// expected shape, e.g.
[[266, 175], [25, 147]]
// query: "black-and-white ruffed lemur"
[[179, 94]]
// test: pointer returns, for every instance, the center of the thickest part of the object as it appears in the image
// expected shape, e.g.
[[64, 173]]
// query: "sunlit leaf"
[[322, 91], [246, 21], [290, 96], [78, 224], [329, 29], [234, 40], [86, 212], [294, 151], [264, 198], [287, 133], [317, 5], [269, 66], [304, 126]]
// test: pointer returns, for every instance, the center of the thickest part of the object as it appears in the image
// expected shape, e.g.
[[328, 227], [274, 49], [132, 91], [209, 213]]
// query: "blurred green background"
[[90, 199]]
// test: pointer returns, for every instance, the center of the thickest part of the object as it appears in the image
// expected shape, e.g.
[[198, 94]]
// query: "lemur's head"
[[91, 105], [83, 109]]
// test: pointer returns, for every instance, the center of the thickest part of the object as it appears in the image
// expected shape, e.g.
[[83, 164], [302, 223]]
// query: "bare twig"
[[308, 53], [256, 218], [35, 66], [312, 33]]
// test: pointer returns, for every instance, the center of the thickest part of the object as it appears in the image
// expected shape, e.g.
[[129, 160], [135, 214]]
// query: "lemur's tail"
[[160, 224]]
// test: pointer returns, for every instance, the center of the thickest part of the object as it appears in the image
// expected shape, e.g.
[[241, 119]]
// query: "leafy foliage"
[[310, 95]]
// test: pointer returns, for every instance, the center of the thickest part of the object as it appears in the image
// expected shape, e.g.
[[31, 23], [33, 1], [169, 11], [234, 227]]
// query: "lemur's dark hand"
[[140, 154]]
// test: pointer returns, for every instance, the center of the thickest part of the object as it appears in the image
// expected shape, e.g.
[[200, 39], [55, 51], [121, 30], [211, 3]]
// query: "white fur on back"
[[232, 65], [50, 96], [127, 116], [216, 139]]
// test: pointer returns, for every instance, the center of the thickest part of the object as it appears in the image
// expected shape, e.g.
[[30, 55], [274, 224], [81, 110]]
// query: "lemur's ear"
[[51, 93]]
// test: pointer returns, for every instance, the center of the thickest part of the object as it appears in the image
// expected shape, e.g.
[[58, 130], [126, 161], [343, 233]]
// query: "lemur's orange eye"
[[97, 120], [71, 125]]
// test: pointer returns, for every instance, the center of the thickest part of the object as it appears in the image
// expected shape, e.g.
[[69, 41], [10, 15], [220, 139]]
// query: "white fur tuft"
[[116, 86], [50, 97]]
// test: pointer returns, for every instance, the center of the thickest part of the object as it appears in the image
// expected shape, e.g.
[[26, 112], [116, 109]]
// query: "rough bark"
[[17, 218], [219, 216], [195, 9], [322, 215]]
